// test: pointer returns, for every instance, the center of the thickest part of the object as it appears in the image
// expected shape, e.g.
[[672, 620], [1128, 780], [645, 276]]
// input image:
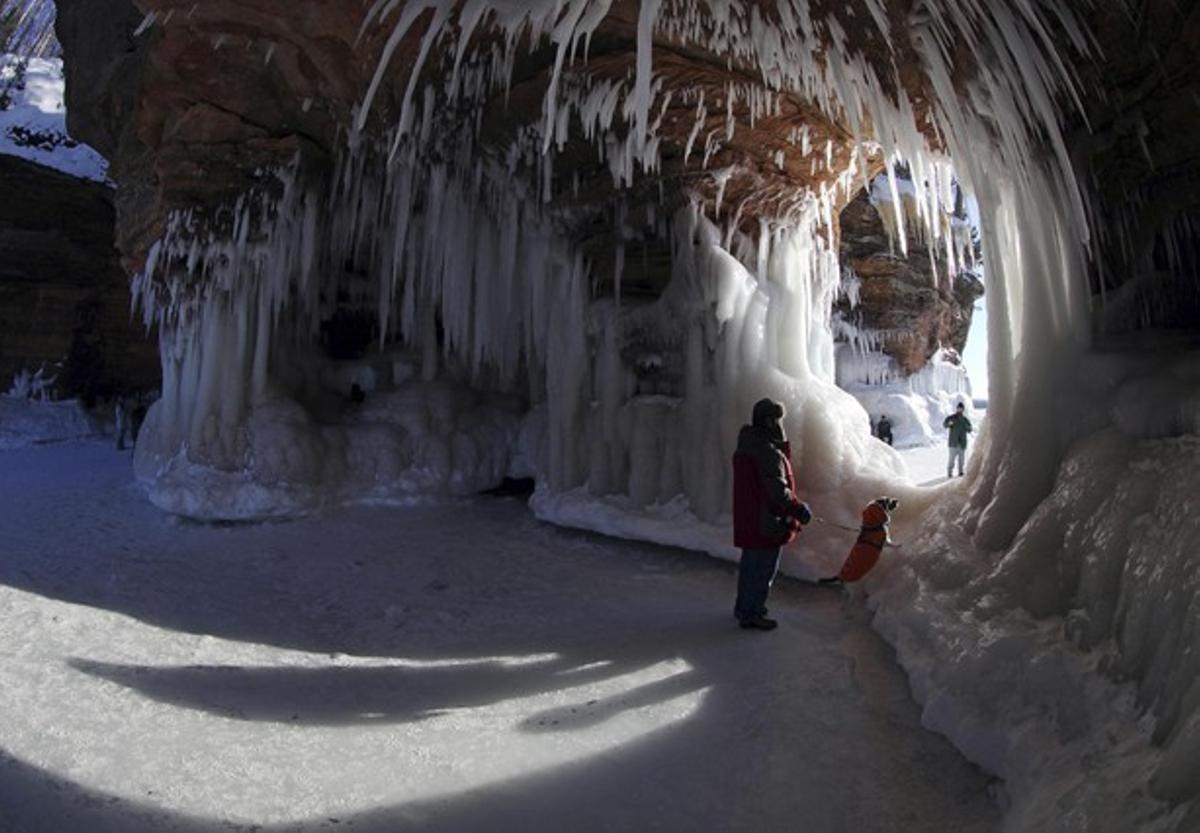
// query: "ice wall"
[[1066, 663], [490, 305], [484, 310]]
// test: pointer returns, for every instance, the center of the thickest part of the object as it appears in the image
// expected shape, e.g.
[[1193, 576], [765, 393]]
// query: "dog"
[[872, 538]]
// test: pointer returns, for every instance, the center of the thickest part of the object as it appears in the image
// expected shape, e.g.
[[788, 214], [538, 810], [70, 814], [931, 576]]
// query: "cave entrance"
[[909, 321]]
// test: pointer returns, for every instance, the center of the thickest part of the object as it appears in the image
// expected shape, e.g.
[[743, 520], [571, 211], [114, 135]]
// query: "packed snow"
[[33, 118], [450, 665]]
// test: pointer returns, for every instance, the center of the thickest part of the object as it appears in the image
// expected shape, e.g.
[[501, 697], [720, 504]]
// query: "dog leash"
[[821, 520]]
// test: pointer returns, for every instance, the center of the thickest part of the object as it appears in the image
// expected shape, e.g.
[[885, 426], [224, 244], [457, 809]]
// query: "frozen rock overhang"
[[743, 105], [477, 179]]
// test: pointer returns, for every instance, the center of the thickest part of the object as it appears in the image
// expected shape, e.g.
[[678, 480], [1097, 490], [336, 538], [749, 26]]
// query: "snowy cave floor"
[[444, 666]]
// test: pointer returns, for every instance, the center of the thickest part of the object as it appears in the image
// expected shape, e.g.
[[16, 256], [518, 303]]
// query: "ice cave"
[[356, 263]]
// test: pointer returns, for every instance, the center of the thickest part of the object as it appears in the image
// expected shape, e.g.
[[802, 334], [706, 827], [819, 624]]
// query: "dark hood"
[[753, 437]]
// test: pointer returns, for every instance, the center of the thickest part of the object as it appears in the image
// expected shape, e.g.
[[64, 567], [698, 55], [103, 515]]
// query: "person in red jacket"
[[766, 512]]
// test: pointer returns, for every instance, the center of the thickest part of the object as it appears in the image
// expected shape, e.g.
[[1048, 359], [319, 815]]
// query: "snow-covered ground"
[[450, 665], [33, 120], [927, 463]]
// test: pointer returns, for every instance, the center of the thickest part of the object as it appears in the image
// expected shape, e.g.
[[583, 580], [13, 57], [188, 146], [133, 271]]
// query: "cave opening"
[[911, 342]]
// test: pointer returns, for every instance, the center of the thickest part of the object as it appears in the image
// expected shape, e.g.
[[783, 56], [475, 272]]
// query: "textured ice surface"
[[452, 666], [472, 243], [1067, 663]]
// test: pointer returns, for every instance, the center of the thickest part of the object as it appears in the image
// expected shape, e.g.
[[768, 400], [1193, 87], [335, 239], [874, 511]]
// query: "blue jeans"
[[756, 571]]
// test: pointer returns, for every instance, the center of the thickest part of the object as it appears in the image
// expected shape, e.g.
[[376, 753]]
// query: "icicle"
[[647, 16]]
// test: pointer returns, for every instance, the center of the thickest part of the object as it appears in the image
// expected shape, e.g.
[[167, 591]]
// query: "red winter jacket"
[[869, 546], [766, 512]]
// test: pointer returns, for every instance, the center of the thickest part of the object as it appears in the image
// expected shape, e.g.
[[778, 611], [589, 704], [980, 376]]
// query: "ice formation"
[[1067, 662], [474, 273], [462, 262], [31, 31]]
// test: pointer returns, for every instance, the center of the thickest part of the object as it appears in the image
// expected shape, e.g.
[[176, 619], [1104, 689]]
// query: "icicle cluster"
[[469, 244], [28, 28]]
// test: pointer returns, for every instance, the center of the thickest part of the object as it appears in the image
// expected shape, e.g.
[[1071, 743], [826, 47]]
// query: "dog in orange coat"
[[872, 538]]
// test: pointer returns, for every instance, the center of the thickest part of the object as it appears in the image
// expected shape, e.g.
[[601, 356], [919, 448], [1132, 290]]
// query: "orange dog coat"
[[869, 545]]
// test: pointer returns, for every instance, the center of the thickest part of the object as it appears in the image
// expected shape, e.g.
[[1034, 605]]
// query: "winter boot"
[[759, 623]]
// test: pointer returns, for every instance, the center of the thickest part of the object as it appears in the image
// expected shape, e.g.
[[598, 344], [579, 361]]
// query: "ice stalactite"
[[29, 29], [432, 286], [469, 301]]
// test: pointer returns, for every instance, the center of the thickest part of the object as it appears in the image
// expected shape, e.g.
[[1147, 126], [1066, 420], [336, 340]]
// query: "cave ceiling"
[[227, 88], [195, 107]]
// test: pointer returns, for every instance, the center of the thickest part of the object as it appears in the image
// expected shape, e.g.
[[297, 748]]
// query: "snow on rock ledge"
[[33, 119]]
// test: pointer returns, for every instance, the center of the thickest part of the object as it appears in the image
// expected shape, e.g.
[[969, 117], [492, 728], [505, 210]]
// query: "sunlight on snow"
[[251, 764]]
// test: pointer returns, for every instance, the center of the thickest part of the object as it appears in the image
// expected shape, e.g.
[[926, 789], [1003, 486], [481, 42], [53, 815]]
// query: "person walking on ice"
[[884, 430], [766, 512], [959, 427]]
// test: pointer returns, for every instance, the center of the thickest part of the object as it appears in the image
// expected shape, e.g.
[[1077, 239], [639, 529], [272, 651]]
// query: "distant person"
[[884, 429], [959, 427], [357, 395], [766, 512], [123, 415]]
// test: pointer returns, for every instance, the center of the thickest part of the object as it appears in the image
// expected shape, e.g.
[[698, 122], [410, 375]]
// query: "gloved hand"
[[803, 514]]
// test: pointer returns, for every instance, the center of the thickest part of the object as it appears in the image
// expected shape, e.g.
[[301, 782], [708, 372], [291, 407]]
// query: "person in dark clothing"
[[121, 412], [959, 427], [766, 512], [884, 430]]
